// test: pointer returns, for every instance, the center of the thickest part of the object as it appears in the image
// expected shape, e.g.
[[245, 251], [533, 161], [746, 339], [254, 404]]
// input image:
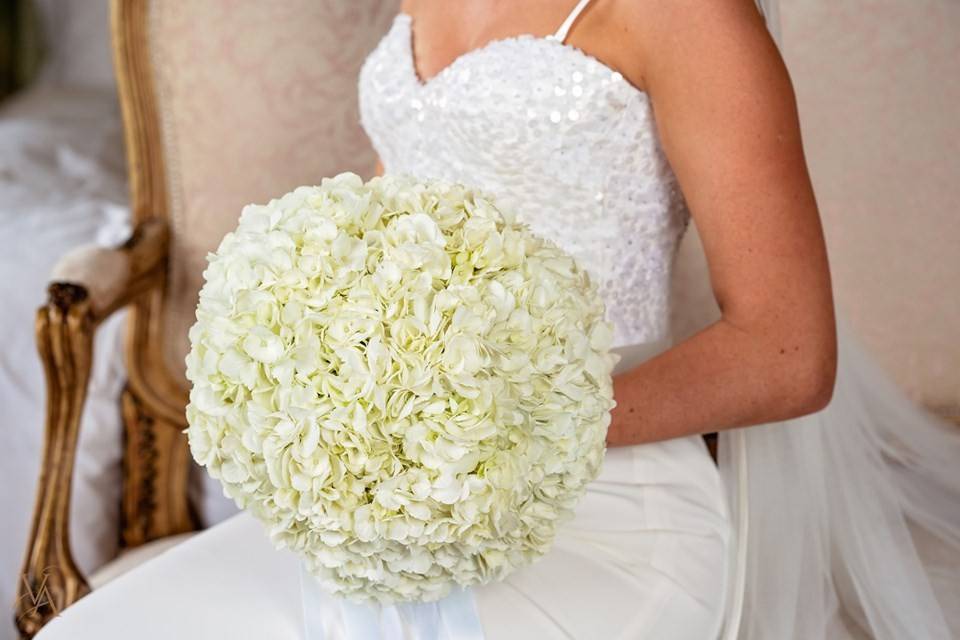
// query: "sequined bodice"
[[556, 136]]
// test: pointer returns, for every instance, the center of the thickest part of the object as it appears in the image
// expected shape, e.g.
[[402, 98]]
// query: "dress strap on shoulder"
[[564, 29]]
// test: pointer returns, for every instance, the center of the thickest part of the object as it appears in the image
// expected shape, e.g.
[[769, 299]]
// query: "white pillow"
[[61, 185], [77, 36]]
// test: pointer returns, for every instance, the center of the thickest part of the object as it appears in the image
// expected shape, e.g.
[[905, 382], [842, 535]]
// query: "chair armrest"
[[88, 285], [112, 277]]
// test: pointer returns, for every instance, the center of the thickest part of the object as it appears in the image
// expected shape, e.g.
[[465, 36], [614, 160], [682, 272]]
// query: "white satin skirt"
[[646, 556]]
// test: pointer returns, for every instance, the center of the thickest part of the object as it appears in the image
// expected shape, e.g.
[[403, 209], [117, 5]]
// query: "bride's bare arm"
[[727, 118]]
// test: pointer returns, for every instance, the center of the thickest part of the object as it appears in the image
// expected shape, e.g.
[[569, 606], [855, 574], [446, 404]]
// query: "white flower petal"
[[408, 387]]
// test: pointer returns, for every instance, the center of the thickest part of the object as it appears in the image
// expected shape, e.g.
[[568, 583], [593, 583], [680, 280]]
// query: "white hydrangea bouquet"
[[403, 383]]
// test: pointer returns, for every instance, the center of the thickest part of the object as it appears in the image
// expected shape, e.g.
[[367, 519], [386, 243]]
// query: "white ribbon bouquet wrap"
[[406, 386]]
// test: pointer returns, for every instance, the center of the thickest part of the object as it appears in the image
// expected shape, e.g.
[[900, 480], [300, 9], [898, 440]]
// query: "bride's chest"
[[516, 100]]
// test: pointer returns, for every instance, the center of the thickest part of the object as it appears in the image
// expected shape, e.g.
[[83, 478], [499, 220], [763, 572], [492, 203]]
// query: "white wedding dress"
[[663, 544]]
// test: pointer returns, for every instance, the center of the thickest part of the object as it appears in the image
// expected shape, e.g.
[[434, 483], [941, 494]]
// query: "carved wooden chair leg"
[[50, 579], [155, 475]]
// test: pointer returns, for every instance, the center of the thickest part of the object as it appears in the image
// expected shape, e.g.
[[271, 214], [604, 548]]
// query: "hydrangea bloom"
[[402, 382]]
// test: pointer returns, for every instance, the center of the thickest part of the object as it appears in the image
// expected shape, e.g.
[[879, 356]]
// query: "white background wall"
[[878, 86]]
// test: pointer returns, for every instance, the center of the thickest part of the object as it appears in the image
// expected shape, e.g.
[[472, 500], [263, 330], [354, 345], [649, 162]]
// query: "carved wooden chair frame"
[[156, 460]]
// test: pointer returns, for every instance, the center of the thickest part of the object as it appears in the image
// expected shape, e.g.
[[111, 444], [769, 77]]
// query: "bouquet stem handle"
[[330, 617]]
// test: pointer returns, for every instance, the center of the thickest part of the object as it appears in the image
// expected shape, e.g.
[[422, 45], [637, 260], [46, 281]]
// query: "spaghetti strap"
[[564, 29]]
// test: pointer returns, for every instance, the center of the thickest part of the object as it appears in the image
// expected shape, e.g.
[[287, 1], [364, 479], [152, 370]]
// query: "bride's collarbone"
[[441, 35]]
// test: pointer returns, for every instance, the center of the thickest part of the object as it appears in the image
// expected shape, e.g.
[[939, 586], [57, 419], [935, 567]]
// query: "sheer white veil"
[[847, 520]]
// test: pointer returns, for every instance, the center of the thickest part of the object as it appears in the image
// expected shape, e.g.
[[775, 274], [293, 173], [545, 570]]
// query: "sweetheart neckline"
[[425, 84]]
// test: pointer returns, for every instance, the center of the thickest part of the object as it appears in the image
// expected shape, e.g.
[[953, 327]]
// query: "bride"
[[608, 125]]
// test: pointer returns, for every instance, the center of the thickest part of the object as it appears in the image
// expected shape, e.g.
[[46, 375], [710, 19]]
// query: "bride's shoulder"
[[642, 38]]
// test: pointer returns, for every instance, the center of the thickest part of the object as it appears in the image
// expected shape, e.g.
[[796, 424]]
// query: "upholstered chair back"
[[877, 85], [225, 104], [253, 99]]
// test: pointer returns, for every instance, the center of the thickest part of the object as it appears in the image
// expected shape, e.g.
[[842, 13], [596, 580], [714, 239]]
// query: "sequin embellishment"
[[552, 133]]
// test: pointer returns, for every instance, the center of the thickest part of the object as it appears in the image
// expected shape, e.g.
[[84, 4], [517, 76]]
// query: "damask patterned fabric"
[[250, 112]]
